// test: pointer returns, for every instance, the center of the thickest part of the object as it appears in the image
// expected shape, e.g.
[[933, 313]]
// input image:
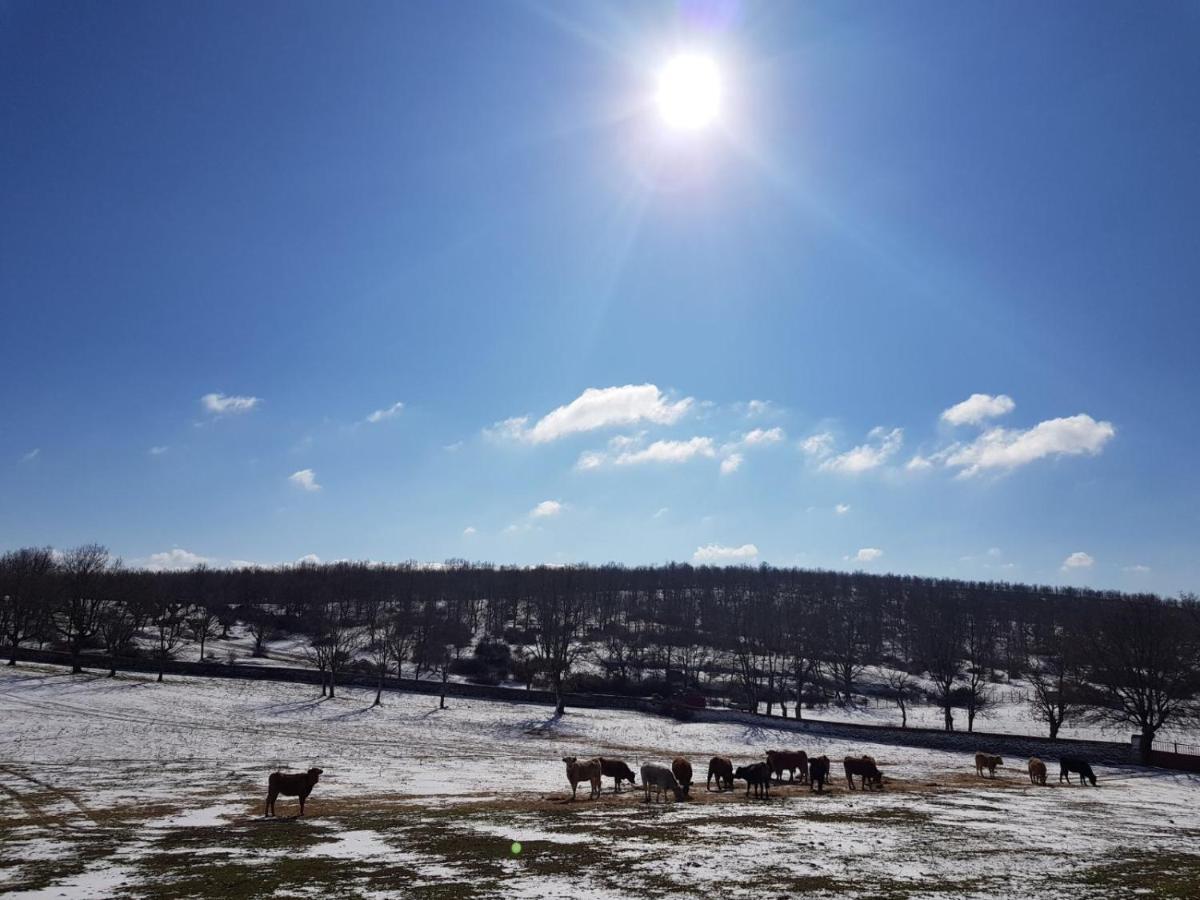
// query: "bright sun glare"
[[689, 92]]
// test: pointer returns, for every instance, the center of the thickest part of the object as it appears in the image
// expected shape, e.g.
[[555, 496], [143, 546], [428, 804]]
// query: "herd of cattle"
[[814, 771], [678, 778]]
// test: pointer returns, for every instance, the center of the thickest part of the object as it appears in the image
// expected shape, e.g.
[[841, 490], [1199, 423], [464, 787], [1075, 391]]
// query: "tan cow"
[[987, 761], [588, 770], [1037, 771]]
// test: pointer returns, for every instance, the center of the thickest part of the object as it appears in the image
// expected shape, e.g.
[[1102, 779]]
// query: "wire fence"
[[1176, 747]]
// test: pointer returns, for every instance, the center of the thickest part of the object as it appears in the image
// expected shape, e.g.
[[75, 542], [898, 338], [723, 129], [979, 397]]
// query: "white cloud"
[[867, 554], [380, 414], [763, 437], [305, 479], [309, 559], [591, 459], [546, 509], [596, 408], [31, 455], [224, 405], [1078, 560], [174, 560], [1138, 569], [661, 512], [158, 451], [507, 430], [752, 409], [1005, 449], [867, 456], [667, 452], [468, 531], [994, 552], [842, 508], [730, 464], [818, 445], [453, 448], [248, 564], [919, 464], [978, 407], [715, 553]]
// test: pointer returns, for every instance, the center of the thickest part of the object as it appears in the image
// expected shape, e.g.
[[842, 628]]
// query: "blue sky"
[[231, 233]]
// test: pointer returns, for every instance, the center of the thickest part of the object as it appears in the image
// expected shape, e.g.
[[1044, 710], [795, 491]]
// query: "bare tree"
[[979, 643], [1054, 679], [1144, 664], [560, 616], [122, 616], [76, 615], [900, 687], [24, 589], [944, 659], [168, 619], [333, 642]]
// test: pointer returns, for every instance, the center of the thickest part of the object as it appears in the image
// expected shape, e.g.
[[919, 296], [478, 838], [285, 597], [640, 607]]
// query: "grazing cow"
[[588, 770], [290, 784], [987, 761], [722, 768], [661, 779], [617, 771], [864, 767], [758, 775], [818, 772], [779, 761], [1037, 771], [682, 770], [1071, 764]]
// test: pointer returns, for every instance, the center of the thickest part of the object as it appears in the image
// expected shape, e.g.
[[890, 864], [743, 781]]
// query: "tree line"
[[783, 638]]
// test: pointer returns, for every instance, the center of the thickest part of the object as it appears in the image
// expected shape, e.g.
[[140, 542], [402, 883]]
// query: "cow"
[[987, 761], [290, 784], [757, 775], [779, 761], [1037, 771], [722, 768], [818, 772], [661, 779], [588, 770], [1069, 764], [617, 771], [682, 770], [864, 767]]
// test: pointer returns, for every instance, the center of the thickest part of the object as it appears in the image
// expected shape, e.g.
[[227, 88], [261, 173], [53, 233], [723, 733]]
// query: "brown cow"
[[818, 772], [779, 761], [864, 767], [682, 770], [722, 767], [290, 784], [577, 771], [1037, 771], [617, 770], [987, 761]]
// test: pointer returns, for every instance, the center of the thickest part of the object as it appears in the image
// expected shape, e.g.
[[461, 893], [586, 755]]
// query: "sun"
[[689, 92]]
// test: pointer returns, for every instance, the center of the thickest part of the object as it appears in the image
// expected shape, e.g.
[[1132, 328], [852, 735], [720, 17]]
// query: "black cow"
[[1080, 767], [617, 771], [758, 775], [818, 772]]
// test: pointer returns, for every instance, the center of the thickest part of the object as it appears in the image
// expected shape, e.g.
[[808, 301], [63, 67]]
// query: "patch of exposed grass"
[[1164, 875]]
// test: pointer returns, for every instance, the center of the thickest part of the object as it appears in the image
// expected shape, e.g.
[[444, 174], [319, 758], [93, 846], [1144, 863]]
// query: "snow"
[[439, 795]]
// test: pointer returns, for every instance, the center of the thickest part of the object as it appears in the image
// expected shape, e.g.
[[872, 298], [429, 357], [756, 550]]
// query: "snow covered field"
[[123, 787]]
